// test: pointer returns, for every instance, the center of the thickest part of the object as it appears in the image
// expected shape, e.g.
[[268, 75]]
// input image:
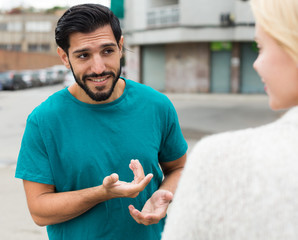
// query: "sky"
[[42, 4]]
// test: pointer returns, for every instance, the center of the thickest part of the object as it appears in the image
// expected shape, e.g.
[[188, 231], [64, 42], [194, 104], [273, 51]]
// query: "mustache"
[[95, 75]]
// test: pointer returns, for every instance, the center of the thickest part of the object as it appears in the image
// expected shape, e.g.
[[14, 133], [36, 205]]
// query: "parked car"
[[56, 74], [39, 77], [68, 79], [8, 81], [23, 79], [1, 84]]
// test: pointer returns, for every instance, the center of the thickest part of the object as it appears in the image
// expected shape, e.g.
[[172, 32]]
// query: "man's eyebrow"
[[80, 50], [109, 45], [101, 46]]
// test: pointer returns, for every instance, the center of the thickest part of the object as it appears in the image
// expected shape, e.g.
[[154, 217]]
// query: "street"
[[199, 115], [14, 109]]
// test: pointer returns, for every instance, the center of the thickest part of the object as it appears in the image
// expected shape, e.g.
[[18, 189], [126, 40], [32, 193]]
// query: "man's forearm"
[[48, 207], [172, 172], [171, 180], [52, 208]]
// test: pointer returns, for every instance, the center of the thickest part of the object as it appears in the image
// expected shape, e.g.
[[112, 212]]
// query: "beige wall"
[[133, 63]]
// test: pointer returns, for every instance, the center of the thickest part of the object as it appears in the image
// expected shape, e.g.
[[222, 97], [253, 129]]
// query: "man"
[[81, 141]]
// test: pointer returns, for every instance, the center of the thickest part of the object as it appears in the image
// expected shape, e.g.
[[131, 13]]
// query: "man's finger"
[[136, 214], [145, 181], [142, 218], [168, 197], [137, 169], [109, 180]]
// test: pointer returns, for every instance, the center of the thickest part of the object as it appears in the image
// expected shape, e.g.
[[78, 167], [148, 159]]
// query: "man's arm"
[[156, 206], [48, 207], [172, 171]]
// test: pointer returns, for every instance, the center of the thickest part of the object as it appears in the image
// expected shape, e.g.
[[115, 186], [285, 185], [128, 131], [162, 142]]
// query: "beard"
[[99, 95]]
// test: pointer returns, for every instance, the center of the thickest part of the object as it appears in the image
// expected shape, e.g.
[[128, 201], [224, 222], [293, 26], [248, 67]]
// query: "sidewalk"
[[15, 220]]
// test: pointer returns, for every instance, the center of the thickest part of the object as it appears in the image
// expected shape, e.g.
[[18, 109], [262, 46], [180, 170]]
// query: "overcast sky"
[[8, 4]]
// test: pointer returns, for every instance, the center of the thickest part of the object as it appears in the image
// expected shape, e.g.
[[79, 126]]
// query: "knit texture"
[[240, 185]]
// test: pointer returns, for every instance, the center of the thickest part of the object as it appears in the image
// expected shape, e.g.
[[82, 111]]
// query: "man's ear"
[[64, 57], [120, 44]]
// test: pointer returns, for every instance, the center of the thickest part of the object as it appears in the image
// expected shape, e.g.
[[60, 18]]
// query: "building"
[[28, 41], [191, 45], [28, 32]]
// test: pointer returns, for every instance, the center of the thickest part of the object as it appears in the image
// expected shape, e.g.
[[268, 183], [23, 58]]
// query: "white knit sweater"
[[240, 185]]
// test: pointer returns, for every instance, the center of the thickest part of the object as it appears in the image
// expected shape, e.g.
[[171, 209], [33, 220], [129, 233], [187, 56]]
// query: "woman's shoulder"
[[267, 143]]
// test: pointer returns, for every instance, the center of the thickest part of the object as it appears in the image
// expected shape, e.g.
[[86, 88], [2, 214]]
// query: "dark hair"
[[85, 18]]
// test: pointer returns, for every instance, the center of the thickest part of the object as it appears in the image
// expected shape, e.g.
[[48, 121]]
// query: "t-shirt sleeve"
[[33, 162], [173, 144]]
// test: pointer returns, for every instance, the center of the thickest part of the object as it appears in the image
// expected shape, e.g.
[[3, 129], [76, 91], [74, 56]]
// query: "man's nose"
[[98, 65]]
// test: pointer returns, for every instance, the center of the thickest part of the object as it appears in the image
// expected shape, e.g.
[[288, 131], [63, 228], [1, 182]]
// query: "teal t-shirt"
[[74, 145]]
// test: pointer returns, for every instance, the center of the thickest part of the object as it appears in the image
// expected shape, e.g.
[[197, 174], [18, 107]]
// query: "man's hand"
[[154, 209], [116, 189], [48, 207]]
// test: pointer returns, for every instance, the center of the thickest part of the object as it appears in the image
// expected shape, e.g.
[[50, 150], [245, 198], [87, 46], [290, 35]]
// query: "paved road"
[[14, 109], [204, 114], [199, 115]]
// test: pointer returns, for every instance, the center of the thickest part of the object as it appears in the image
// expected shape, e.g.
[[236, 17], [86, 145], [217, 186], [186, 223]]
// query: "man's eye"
[[82, 56], [108, 51]]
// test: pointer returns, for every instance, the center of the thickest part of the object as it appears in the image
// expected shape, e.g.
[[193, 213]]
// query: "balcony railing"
[[163, 16]]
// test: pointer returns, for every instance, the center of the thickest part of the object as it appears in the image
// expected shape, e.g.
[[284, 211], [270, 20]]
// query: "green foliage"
[[55, 8]]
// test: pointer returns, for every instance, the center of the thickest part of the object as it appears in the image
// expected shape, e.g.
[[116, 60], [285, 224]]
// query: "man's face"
[[94, 59]]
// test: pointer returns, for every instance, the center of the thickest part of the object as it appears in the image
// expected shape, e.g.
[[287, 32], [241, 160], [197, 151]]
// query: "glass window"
[[39, 47], [40, 26], [14, 26]]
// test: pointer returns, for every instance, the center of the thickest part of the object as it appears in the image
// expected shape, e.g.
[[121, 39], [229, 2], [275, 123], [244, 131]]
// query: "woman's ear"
[[64, 57]]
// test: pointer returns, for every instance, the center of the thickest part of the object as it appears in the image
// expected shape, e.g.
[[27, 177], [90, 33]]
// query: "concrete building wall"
[[133, 63], [28, 32], [198, 21], [243, 13], [204, 12], [135, 15], [196, 25]]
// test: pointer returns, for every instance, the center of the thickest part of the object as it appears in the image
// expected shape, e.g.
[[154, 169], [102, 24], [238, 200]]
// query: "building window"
[[45, 47], [16, 47], [3, 46], [14, 27], [11, 47], [39, 47], [40, 26], [3, 26]]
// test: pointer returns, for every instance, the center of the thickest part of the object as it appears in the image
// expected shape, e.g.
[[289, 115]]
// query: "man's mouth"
[[99, 79]]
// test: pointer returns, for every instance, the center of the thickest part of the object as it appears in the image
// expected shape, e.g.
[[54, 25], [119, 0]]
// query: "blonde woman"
[[243, 185]]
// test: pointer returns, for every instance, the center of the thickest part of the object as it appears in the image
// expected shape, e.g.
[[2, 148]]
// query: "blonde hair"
[[279, 19]]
